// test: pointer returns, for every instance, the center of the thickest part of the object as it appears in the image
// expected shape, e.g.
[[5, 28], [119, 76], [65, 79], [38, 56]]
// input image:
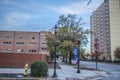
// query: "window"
[[43, 48], [32, 42], [107, 39], [106, 8], [19, 42], [20, 37], [107, 30], [106, 11], [107, 35], [33, 37], [7, 50], [107, 22], [107, 19], [101, 23], [102, 40], [44, 43], [32, 50], [101, 8], [106, 3], [7, 42], [8, 37], [19, 50], [107, 15]]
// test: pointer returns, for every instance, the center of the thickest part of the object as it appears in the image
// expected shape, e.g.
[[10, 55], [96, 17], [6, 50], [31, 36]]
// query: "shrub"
[[117, 53], [117, 61], [39, 69]]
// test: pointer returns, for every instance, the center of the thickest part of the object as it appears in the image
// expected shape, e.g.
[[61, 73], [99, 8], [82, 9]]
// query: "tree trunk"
[[66, 58], [63, 59], [70, 58]]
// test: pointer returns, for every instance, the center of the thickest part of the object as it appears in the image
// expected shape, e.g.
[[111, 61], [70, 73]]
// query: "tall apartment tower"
[[105, 26]]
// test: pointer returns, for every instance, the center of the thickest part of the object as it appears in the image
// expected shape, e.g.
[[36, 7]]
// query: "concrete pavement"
[[112, 69], [66, 72]]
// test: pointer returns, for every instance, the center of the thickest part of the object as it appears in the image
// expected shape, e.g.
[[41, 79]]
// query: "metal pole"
[[96, 46], [66, 57], [55, 44], [54, 74], [78, 71], [96, 58]]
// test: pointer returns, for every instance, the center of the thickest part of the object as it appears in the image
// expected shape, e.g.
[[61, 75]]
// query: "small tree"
[[39, 69], [117, 53], [94, 54]]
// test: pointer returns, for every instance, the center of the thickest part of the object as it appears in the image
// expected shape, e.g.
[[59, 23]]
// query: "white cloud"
[[80, 8], [15, 21], [17, 18]]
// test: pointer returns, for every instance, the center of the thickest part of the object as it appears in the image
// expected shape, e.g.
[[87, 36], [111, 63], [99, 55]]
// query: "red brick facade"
[[23, 42], [13, 60], [19, 47]]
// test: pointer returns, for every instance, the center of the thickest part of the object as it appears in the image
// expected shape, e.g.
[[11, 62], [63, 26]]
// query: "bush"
[[117, 61], [39, 69]]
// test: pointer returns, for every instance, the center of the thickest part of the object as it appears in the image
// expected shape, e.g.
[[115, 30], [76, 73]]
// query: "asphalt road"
[[113, 69]]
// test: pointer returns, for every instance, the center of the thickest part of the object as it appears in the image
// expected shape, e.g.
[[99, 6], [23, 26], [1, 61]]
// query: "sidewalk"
[[66, 72], [69, 72]]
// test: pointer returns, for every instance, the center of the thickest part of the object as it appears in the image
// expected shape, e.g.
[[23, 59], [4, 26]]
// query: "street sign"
[[75, 53], [96, 45]]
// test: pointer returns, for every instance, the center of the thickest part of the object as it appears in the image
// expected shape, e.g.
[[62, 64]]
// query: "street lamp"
[[55, 44], [78, 42], [96, 44]]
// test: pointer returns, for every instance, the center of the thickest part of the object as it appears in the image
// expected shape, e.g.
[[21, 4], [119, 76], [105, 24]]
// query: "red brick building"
[[19, 47], [23, 42]]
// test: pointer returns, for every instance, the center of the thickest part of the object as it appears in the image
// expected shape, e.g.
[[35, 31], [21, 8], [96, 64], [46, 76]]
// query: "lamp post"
[[96, 44], [55, 44], [78, 42]]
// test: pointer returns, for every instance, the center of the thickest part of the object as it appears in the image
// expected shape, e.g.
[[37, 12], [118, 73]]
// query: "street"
[[113, 69]]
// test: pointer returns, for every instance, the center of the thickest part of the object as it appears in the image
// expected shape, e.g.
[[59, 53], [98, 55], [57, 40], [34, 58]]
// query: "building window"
[[106, 11], [19, 42], [33, 37], [106, 3], [107, 26], [107, 35], [7, 42], [7, 50], [31, 50], [107, 15], [107, 30], [107, 19], [43, 48], [107, 22], [20, 37], [32, 42], [107, 39], [101, 23], [19, 50], [8, 37], [106, 8]]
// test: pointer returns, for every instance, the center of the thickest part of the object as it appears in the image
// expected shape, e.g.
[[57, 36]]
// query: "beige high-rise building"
[[105, 26]]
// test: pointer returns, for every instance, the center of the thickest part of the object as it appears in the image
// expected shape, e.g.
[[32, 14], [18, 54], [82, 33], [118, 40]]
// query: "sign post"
[[96, 44], [78, 42]]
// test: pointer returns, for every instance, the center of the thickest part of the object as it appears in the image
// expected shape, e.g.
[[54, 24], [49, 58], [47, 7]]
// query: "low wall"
[[18, 60]]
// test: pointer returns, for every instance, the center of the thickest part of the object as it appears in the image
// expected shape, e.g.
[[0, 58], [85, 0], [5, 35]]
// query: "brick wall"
[[23, 42], [18, 60]]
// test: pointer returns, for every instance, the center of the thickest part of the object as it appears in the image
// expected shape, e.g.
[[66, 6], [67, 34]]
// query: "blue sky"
[[36, 15]]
